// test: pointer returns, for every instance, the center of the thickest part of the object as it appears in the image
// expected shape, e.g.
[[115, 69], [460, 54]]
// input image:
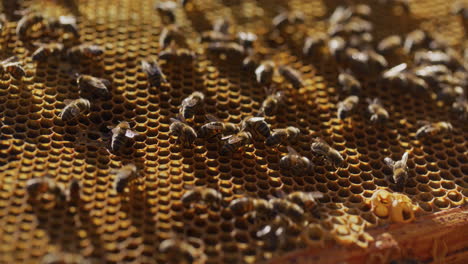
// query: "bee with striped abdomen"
[[74, 108], [46, 50], [65, 24], [120, 135], [280, 135], [288, 209], [191, 105], [235, 142], [295, 163], [321, 148], [306, 200], [378, 113], [12, 65], [153, 71], [184, 133], [347, 106], [207, 196], [399, 169], [258, 209], [264, 72], [123, 176], [272, 101], [170, 34], [93, 85], [292, 76], [432, 129], [88, 51], [256, 126], [38, 186], [349, 83], [26, 23], [216, 127]]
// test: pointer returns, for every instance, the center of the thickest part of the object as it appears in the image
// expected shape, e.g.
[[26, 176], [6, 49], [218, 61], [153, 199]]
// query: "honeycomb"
[[105, 227]]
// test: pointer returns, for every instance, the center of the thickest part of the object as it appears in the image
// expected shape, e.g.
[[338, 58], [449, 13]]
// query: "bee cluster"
[[208, 142]]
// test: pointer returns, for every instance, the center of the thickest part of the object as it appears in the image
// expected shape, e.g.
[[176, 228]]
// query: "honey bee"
[[84, 50], [377, 111], [38, 186], [432, 129], [12, 65], [153, 71], [215, 36], [449, 58], [340, 15], [200, 194], [347, 106], [185, 134], [256, 126], [74, 108], [337, 47], [96, 86], [460, 107], [415, 40], [389, 44], [288, 209], [229, 48], [287, 18], [123, 176], [272, 101], [169, 34], [394, 74], [313, 43], [216, 127], [236, 141], [362, 10], [363, 40], [376, 60], [67, 24], [321, 148], [306, 200], [273, 234], [221, 25], [357, 26], [177, 251], [280, 135], [246, 39], [295, 163], [46, 50], [449, 93], [349, 83], [250, 62], [26, 23], [191, 105], [258, 209], [73, 192], [292, 76], [166, 11], [264, 72], [399, 168], [120, 134], [430, 72]]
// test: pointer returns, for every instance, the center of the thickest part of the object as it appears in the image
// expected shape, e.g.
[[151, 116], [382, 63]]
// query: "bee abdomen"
[[118, 141]]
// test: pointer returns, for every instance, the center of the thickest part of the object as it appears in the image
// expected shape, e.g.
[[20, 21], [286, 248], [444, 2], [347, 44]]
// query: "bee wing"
[[213, 126], [234, 139], [389, 161], [292, 151], [422, 122], [67, 101], [257, 119], [404, 158], [98, 83], [316, 194], [227, 137], [10, 59], [130, 133], [211, 118], [190, 102], [264, 231]]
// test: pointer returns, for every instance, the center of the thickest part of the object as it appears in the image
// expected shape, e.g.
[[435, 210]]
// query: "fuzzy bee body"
[[46, 50], [74, 108], [185, 134], [235, 142], [306, 200], [313, 43], [272, 101], [415, 40], [399, 168], [84, 51], [96, 86], [280, 135], [154, 72], [216, 127], [264, 72], [259, 208], [347, 106], [67, 24], [26, 22], [38, 186], [256, 126], [337, 47], [292, 76], [296, 164], [167, 11], [389, 44], [228, 48], [377, 111], [206, 195], [120, 135], [123, 176], [191, 105], [288, 209], [349, 83], [321, 148], [433, 129]]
